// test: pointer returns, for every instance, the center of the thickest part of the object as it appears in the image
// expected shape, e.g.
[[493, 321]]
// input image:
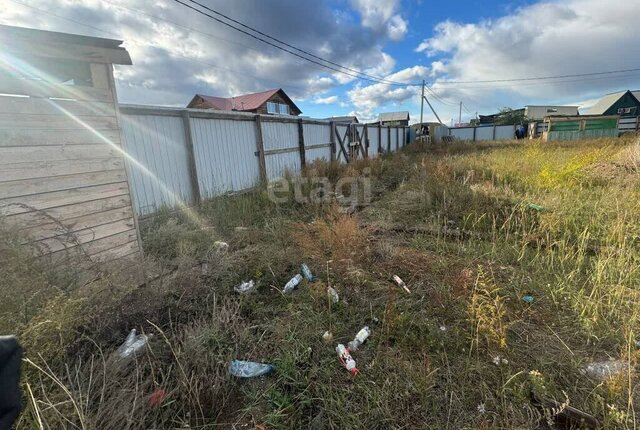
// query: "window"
[[277, 108], [627, 111], [283, 109], [552, 110]]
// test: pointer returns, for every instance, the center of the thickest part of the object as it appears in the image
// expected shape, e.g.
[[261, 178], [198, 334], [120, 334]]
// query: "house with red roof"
[[275, 102]]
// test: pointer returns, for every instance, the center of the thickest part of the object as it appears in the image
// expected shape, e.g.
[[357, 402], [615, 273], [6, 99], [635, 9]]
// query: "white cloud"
[[370, 98], [192, 54], [381, 16], [549, 38], [326, 100]]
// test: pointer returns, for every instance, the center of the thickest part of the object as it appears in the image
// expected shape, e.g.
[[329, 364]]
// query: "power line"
[[291, 46], [358, 76], [147, 44], [610, 72]]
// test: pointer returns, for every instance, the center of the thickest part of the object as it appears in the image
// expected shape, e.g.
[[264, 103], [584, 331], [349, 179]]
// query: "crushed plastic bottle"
[[245, 287], [249, 369], [401, 283], [602, 370], [220, 246], [292, 284], [333, 295], [528, 298], [133, 344], [345, 358], [327, 336], [360, 338], [306, 272]]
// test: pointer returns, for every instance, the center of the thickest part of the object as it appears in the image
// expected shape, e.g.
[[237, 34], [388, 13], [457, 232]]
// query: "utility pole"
[[460, 115], [432, 109], [422, 103]]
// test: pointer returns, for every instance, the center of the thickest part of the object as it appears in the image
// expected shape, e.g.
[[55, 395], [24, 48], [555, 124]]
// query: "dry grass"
[[454, 222]]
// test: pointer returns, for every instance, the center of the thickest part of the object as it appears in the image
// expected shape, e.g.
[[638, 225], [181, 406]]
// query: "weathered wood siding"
[[62, 171]]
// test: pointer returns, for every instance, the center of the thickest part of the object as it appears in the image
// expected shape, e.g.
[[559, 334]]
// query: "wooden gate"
[[352, 141]]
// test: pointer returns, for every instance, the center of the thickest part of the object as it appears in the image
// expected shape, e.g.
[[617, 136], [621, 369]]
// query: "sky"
[[177, 52]]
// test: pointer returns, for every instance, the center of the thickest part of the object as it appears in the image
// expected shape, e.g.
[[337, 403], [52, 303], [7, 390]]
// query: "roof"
[[245, 102], [607, 101], [552, 106], [343, 119], [394, 116], [62, 45]]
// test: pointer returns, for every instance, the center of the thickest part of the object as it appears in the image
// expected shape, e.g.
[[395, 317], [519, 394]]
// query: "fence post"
[[637, 122], [332, 125], [397, 139], [474, 134], [193, 172], [388, 139], [379, 138], [303, 160], [494, 132], [366, 141], [260, 150]]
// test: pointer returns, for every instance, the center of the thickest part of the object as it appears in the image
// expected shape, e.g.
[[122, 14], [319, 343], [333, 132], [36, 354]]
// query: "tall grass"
[[470, 229]]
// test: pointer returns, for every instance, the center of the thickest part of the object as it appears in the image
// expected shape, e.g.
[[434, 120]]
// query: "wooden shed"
[[63, 182]]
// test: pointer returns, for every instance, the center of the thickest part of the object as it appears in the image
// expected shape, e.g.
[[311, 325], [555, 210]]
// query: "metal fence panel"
[[462, 133], [373, 141], [225, 155], [384, 133], [317, 134], [280, 164], [279, 135], [628, 123], [158, 165], [484, 133], [505, 132]]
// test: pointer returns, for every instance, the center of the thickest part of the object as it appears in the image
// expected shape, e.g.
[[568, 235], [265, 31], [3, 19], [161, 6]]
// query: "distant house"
[[495, 118], [538, 113], [274, 101], [344, 119], [394, 118], [623, 103]]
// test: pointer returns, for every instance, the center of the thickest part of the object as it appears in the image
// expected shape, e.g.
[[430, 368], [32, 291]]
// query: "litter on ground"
[[401, 283], [333, 295], [133, 344], [249, 369], [245, 287], [360, 338], [602, 370], [346, 359], [292, 284], [306, 272]]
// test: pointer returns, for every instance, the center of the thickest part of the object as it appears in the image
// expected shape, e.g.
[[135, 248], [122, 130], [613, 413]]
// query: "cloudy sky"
[[177, 52]]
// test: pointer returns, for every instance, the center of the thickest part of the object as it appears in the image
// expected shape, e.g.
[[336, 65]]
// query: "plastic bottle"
[[249, 369], [333, 295], [245, 287], [360, 338], [603, 370], [132, 344], [306, 272], [292, 284], [401, 283], [345, 358]]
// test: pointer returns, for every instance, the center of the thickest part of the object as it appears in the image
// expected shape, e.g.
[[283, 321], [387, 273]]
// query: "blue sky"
[[177, 52]]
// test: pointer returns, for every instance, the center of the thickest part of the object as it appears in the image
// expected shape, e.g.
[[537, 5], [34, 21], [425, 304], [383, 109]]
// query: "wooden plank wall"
[[62, 172]]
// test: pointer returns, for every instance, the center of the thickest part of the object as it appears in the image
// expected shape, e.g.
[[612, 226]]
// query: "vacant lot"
[[522, 260]]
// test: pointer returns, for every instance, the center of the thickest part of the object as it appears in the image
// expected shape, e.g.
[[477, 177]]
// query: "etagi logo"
[[350, 192]]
